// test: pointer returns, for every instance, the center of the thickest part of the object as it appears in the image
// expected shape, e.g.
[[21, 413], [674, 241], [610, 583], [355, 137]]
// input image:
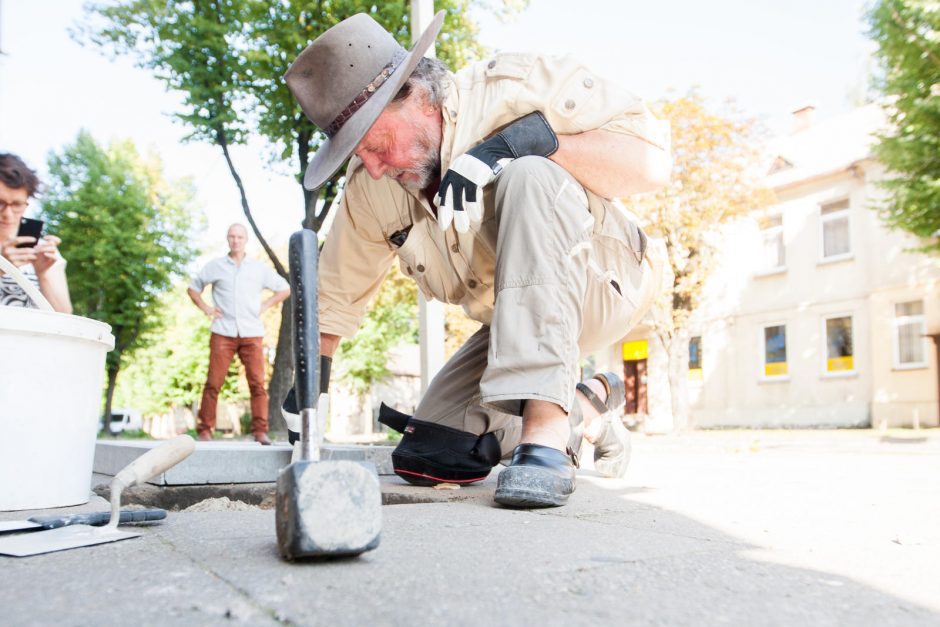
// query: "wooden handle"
[[155, 461]]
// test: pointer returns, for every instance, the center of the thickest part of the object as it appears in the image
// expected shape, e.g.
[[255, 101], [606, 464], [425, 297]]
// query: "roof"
[[828, 146]]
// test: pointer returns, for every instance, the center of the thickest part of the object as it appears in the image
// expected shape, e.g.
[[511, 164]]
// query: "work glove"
[[460, 197], [291, 412]]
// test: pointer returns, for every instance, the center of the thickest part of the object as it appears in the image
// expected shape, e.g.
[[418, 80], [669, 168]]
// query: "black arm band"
[[530, 135], [325, 364]]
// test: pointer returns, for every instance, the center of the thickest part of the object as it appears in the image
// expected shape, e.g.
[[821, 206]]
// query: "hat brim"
[[334, 151]]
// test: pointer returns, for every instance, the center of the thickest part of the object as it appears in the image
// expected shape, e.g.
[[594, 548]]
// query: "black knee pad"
[[430, 453]]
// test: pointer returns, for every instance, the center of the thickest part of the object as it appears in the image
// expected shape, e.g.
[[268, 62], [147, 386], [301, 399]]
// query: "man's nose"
[[374, 166]]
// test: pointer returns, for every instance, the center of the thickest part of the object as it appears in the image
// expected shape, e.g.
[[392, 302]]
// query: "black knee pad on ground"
[[429, 453]]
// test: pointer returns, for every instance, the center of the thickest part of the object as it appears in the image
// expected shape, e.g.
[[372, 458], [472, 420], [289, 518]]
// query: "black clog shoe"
[[538, 476]]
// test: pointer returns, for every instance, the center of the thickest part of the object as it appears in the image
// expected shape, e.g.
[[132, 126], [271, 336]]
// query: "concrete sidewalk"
[[741, 528]]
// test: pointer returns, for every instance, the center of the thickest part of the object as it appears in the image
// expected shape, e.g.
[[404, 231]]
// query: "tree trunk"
[[223, 144], [679, 379], [659, 395], [109, 395], [282, 378]]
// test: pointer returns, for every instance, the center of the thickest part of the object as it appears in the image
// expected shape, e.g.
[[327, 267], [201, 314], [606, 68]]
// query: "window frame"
[[896, 322], [775, 231], [695, 375], [835, 374], [762, 335], [839, 214]]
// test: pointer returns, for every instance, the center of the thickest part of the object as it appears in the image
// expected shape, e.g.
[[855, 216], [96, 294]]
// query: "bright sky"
[[770, 57]]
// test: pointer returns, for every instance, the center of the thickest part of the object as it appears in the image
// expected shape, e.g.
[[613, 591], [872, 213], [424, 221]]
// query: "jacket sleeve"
[[572, 98], [353, 263]]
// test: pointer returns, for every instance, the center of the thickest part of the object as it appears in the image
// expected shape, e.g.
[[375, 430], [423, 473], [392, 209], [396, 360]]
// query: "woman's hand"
[[46, 252], [19, 256]]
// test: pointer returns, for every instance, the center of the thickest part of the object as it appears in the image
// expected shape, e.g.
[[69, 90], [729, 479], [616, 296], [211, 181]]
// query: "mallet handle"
[[302, 255]]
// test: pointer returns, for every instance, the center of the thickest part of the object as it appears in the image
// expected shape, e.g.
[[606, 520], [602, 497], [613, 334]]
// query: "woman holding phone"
[[37, 257]]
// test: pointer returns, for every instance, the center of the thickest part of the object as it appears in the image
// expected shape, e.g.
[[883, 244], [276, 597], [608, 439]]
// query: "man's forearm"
[[328, 344], [611, 164], [277, 297], [196, 297]]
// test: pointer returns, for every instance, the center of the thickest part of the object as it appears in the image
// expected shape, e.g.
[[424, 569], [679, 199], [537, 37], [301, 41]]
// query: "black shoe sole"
[[531, 486]]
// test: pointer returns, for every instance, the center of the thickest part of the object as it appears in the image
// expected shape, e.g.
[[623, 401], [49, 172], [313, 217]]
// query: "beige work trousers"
[[564, 286]]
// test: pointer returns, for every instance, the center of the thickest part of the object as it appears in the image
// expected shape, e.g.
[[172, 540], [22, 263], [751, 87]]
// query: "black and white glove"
[[460, 197]]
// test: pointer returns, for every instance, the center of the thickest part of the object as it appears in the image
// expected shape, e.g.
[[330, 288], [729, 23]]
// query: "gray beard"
[[425, 174], [429, 164]]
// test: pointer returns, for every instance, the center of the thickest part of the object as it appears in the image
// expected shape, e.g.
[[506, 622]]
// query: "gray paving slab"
[[228, 462], [699, 533]]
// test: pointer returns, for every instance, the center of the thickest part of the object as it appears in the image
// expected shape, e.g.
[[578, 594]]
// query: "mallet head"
[[328, 508]]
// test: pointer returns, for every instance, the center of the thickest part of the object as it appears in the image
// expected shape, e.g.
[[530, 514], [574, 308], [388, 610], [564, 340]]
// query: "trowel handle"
[[302, 256], [155, 461]]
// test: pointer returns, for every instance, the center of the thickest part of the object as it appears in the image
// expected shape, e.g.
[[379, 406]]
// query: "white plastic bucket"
[[51, 375]]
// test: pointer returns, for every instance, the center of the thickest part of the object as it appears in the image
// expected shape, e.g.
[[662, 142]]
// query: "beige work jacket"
[[459, 267]]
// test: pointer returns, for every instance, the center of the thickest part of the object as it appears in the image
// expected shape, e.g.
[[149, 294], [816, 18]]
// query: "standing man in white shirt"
[[237, 283]]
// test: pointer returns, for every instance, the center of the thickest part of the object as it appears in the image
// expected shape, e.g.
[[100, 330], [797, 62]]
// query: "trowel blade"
[[18, 525], [60, 539]]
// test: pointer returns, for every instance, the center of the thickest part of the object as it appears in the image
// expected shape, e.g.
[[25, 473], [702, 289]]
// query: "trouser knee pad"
[[430, 453]]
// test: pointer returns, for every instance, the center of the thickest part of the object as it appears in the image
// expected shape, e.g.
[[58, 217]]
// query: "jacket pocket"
[[420, 259]]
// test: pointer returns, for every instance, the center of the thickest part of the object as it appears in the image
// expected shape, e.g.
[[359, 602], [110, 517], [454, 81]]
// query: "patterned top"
[[11, 294]]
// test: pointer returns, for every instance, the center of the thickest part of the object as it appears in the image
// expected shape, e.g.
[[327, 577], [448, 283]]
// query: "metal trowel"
[[148, 465], [97, 519]]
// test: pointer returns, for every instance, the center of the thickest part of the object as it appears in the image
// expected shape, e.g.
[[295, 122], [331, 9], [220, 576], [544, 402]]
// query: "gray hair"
[[430, 78]]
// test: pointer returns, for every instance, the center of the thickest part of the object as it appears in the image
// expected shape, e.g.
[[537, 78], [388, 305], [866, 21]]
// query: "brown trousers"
[[222, 350]]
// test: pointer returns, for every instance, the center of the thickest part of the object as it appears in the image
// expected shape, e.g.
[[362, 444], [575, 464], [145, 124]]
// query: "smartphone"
[[30, 228]]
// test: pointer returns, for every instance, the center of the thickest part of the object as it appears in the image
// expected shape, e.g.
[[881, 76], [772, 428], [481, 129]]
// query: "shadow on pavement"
[[602, 560]]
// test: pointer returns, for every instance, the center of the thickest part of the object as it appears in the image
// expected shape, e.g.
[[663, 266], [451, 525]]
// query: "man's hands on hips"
[[460, 197]]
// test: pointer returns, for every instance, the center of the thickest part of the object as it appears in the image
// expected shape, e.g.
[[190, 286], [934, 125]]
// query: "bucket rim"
[[28, 320]]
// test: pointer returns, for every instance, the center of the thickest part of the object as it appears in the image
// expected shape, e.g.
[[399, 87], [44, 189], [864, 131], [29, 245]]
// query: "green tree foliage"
[[170, 369], [715, 179], [908, 36], [126, 232]]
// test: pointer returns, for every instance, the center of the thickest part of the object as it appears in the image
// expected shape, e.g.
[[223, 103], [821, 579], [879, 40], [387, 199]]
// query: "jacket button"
[[491, 64], [454, 247], [569, 104], [420, 268], [471, 284], [408, 269], [588, 82]]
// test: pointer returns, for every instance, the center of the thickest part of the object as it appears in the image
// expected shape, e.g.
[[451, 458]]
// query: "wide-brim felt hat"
[[345, 79]]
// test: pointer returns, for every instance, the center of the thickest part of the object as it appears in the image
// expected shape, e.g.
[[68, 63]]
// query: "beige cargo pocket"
[[620, 248]]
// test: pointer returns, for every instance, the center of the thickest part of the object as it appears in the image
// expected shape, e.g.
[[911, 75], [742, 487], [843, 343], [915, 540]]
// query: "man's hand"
[[459, 198], [214, 313]]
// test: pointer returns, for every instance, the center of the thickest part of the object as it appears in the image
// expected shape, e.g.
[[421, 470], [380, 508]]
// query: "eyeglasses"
[[17, 205]]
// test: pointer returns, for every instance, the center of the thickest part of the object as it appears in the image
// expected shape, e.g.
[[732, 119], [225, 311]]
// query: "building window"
[[834, 219], [910, 341], [840, 350], [775, 256], [775, 351], [695, 358]]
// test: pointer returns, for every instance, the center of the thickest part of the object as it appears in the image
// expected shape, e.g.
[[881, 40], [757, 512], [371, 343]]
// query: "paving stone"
[[228, 462]]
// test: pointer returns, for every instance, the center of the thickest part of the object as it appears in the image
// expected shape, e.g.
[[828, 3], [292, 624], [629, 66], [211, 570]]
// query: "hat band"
[[365, 94]]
